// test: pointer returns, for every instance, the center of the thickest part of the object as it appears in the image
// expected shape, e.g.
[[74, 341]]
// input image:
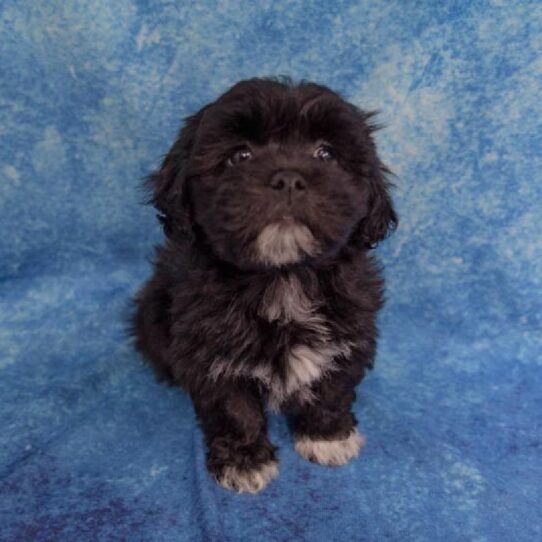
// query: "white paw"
[[248, 481], [330, 452]]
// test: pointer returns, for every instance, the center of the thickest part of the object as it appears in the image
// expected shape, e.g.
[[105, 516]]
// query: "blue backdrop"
[[91, 95]]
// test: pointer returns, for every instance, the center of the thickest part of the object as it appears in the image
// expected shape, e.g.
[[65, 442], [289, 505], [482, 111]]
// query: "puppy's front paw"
[[330, 452], [242, 468], [247, 480]]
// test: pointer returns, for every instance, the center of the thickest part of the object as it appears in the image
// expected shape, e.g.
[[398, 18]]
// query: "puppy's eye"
[[325, 153], [240, 155]]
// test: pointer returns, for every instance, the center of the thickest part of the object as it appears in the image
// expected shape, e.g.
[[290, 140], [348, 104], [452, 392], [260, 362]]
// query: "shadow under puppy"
[[264, 291]]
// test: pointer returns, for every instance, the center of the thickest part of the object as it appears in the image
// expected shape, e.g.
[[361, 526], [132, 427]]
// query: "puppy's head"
[[274, 174]]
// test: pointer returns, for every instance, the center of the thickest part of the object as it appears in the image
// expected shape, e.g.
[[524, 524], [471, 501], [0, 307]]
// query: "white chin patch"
[[283, 243], [330, 452], [248, 481]]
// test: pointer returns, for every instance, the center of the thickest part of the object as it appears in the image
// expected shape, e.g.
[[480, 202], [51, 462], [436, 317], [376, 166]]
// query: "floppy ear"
[[381, 219], [168, 184]]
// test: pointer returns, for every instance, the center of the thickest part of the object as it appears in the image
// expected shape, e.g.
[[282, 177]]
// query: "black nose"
[[288, 181]]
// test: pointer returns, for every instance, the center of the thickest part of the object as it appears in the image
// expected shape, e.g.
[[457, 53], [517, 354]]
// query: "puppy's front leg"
[[239, 456], [325, 429]]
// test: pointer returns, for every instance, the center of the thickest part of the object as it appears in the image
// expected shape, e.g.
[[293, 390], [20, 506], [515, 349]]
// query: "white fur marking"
[[284, 242], [305, 365], [285, 301], [330, 452], [248, 481]]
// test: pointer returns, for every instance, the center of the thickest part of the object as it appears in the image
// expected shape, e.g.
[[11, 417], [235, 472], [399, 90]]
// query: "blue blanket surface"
[[91, 95]]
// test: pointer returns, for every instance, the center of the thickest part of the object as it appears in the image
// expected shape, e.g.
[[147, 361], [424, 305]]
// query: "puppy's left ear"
[[168, 184], [381, 218]]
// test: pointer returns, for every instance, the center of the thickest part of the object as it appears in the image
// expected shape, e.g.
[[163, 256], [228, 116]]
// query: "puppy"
[[264, 291]]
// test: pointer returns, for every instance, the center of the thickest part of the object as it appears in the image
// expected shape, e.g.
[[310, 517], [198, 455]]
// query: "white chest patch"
[[306, 365], [285, 302]]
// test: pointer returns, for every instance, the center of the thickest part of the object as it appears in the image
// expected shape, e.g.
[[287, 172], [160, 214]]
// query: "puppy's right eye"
[[240, 155]]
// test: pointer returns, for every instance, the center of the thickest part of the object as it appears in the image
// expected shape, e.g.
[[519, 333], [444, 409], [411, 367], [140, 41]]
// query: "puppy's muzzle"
[[288, 184]]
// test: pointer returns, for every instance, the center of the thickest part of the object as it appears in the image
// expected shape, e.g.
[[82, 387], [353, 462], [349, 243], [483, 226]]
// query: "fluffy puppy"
[[264, 291]]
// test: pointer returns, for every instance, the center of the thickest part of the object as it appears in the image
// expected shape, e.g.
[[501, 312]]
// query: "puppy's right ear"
[[168, 184]]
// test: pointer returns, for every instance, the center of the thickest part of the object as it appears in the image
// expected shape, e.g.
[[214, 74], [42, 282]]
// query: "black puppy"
[[265, 291]]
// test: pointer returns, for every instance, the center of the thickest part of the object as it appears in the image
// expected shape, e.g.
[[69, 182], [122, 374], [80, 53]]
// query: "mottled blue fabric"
[[91, 95]]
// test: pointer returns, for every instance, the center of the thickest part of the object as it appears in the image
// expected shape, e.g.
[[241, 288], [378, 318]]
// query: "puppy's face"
[[273, 174]]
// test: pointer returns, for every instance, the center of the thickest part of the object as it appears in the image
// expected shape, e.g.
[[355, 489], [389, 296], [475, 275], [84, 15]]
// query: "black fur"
[[216, 316]]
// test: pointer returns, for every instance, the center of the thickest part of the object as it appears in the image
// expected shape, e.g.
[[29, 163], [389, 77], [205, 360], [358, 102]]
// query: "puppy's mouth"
[[285, 241]]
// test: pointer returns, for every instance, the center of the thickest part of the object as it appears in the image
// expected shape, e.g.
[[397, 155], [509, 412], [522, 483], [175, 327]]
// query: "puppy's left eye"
[[325, 153], [240, 155]]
